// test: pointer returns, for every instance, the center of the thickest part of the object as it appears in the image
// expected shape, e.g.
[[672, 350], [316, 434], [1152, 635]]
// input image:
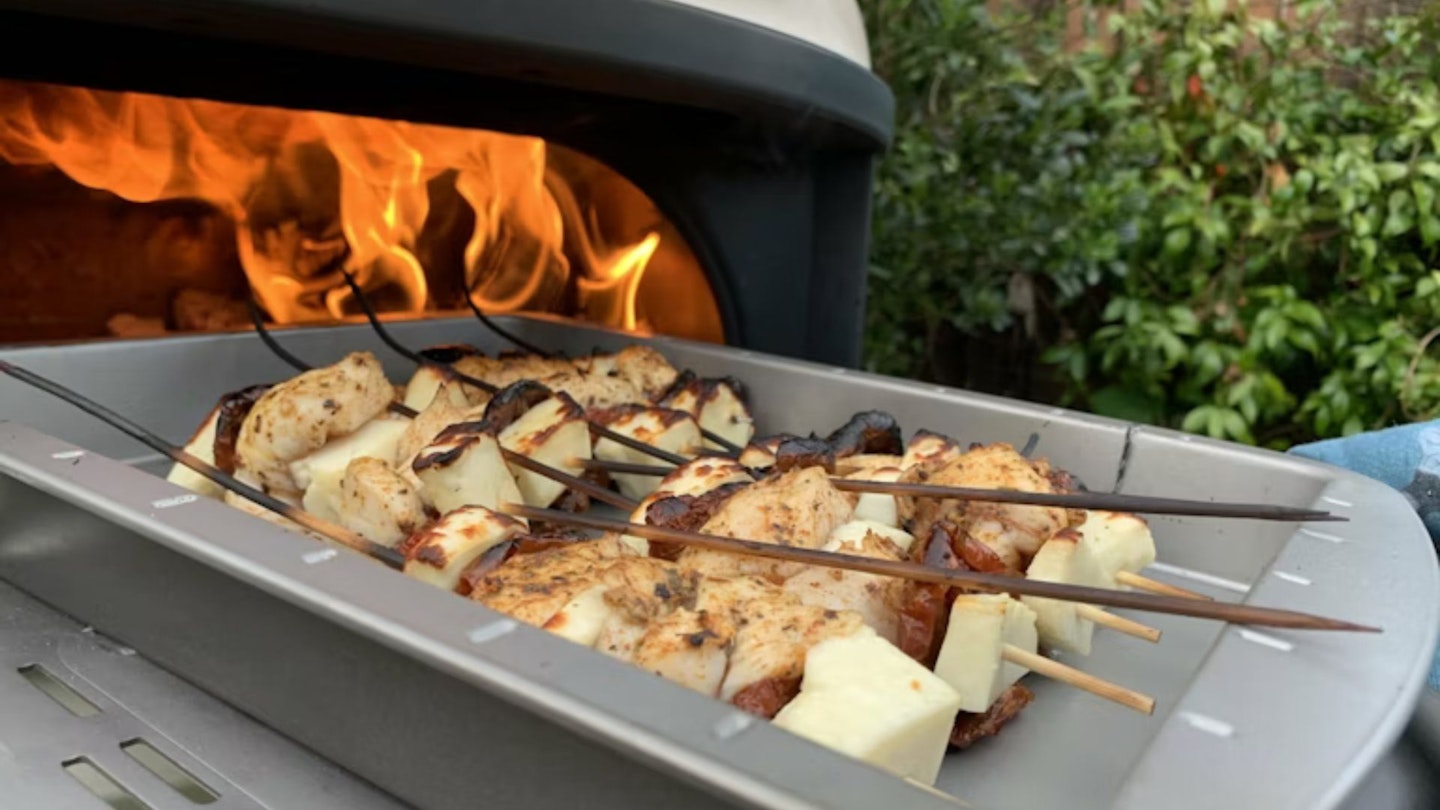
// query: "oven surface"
[[377, 672]]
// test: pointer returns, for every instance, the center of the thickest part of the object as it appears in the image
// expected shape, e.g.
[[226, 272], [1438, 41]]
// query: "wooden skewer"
[[1119, 624], [1100, 687], [1101, 501], [995, 583], [1148, 585], [339, 534]]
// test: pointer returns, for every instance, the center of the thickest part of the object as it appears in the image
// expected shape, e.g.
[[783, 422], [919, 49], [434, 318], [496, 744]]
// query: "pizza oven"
[[694, 169]]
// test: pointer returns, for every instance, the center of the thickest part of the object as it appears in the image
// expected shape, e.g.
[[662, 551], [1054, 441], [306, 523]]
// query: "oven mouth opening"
[[129, 214]]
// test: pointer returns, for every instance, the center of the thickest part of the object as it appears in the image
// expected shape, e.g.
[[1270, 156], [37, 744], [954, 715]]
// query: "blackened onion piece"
[[868, 432], [488, 561], [765, 698], [511, 403], [971, 728], [685, 513], [449, 353], [925, 606], [811, 452], [980, 557], [234, 407]]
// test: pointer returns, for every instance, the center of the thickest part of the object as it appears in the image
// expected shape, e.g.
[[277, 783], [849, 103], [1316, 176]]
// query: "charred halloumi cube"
[[930, 450], [553, 432], [865, 698], [664, 428], [201, 446], [641, 366], [972, 656], [427, 382], [718, 407], [465, 468], [439, 554], [1064, 559]]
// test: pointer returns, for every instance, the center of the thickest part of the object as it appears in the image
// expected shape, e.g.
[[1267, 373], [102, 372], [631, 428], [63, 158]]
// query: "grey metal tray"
[[445, 704]]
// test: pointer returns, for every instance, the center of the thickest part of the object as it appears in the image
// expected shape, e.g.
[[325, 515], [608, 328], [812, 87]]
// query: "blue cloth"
[[1407, 458]]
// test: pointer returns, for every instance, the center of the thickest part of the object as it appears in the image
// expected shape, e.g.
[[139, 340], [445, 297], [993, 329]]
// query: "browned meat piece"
[[685, 513], [924, 606], [766, 698], [234, 407], [868, 432], [795, 453], [971, 728]]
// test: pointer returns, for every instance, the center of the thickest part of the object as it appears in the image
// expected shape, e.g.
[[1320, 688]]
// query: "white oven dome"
[[835, 25]]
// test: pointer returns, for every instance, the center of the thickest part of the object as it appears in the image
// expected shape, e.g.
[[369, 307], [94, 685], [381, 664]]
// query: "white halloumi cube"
[[854, 531], [377, 438], [1119, 541], [439, 554], [426, 382], [319, 474], [972, 657], [759, 454], [201, 446], [865, 698], [1063, 558], [877, 506], [664, 428], [583, 617], [465, 469], [553, 432]]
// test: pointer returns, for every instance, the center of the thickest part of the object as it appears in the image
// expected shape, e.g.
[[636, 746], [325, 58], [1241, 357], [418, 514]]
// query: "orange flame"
[[306, 189]]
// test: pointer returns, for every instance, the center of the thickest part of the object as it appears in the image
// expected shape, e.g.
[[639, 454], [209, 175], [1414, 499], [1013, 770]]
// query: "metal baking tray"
[[443, 703]]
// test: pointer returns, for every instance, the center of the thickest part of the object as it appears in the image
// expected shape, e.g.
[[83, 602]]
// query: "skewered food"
[[717, 404], [440, 553], [300, 415], [464, 467], [318, 474], [972, 657], [1064, 558], [668, 429]]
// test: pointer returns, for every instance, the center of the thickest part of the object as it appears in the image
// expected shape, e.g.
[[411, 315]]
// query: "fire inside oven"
[[130, 214]]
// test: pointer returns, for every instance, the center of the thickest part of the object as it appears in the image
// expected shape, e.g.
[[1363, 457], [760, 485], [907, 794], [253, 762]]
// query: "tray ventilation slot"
[[169, 771], [102, 784], [58, 691]]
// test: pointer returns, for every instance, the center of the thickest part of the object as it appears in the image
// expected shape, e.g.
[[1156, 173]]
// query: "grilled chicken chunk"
[[1012, 531], [794, 508], [376, 502], [641, 366], [300, 415], [875, 598]]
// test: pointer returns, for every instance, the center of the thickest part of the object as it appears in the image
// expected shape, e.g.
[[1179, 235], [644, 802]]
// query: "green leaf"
[[1125, 403], [1177, 240]]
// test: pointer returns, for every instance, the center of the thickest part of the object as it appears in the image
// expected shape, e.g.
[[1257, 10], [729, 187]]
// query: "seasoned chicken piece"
[[378, 504], [876, 598], [593, 391], [439, 554], [534, 587], [509, 368], [687, 647], [300, 415], [773, 641], [663, 428], [424, 429], [641, 366], [794, 508], [1012, 531]]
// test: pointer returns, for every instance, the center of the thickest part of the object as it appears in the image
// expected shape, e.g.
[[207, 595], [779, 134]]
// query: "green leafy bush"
[[1212, 221]]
